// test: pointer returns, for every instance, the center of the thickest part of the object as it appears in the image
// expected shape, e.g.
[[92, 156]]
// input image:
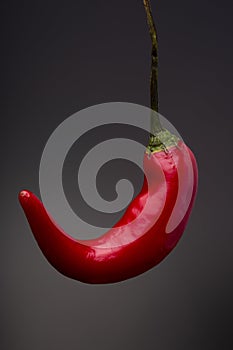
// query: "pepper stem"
[[156, 126]]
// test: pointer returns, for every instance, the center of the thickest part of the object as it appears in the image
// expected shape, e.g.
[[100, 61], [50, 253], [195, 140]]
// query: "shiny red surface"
[[140, 239]]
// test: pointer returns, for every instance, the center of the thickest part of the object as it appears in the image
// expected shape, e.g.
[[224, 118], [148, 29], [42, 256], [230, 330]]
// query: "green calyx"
[[162, 141]]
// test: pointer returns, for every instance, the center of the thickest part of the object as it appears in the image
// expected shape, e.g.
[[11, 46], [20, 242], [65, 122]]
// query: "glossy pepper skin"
[[140, 240]]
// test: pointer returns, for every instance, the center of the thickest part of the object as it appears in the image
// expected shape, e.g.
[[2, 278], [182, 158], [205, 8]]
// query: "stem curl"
[[155, 122]]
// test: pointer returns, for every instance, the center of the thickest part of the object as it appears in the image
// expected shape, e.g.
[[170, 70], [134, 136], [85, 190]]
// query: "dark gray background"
[[59, 57]]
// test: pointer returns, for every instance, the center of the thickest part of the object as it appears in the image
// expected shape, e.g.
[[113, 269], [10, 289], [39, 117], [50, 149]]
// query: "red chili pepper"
[[110, 258], [151, 226]]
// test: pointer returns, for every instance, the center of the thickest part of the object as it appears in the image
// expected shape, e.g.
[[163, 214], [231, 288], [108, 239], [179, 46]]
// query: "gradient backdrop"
[[58, 57]]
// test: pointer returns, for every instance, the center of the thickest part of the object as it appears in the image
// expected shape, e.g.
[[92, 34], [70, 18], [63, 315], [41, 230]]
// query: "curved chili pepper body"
[[150, 228]]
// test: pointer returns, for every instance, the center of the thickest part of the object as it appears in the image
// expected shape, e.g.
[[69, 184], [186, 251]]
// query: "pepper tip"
[[24, 194]]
